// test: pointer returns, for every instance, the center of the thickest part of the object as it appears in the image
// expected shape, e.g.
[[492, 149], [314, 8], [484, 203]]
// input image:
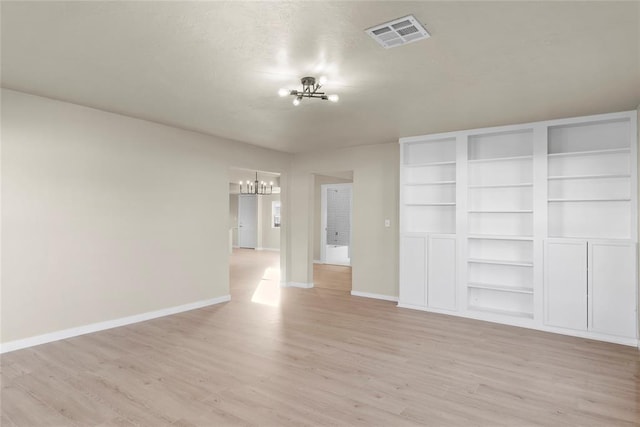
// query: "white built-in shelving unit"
[[500, 221], [524, 224], [589, 179], [429, 187]]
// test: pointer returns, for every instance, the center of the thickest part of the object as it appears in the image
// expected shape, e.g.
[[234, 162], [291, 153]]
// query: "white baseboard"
[[101, 326], [268, 249], [317, 261], [374, 296], [297, 285]]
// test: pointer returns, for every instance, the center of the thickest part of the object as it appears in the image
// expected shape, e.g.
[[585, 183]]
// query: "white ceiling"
[[215, 67]]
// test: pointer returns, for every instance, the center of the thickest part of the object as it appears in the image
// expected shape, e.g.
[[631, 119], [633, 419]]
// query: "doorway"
[[336, 217], [254, 236]]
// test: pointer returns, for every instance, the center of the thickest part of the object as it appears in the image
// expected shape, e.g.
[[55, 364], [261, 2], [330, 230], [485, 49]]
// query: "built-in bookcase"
[[500, 223], [429, 186], [533, 225], [589, 180]]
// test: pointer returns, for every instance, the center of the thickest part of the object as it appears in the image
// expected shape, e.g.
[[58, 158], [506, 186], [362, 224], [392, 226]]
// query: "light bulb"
[[271, 183], [333, 98], [322, 80], [283, 92], [296, 101]]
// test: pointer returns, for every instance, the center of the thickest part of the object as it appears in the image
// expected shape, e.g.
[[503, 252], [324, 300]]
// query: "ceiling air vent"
[[398, 32]]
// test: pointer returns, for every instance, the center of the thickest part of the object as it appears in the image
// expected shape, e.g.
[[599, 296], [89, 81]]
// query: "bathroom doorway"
[[336, 218]]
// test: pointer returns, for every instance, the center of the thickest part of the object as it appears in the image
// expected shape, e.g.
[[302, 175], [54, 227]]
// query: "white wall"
[[270, 235], [233, 218], [374, 256], [105, 216]]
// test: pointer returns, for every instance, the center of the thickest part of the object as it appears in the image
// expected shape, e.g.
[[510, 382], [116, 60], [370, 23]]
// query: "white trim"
[[268, 249], [374, 296], [298, 285], [522, 126], [323, 223], [317, 261], [527, 323], [108, 324]]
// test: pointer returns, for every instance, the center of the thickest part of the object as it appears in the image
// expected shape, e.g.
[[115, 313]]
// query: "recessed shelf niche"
[[589, 180], [429, 186], [500, 207]]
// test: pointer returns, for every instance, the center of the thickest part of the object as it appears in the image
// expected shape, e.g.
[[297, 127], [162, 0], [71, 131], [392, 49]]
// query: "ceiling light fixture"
[[310, 89], [260, 188]]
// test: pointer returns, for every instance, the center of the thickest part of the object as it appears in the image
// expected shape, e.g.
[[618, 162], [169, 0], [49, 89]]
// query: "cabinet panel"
[[441, 282], [612, 289], [413, 258], [565, 285]]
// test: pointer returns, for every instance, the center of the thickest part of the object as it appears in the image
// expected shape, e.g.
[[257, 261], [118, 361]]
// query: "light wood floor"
[[328, 276], [320, 357]]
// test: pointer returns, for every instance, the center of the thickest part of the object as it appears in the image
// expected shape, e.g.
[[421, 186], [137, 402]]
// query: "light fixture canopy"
[[259, 188], [310, 89]]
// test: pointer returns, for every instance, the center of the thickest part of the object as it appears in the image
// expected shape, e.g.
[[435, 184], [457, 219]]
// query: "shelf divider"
[[502, 212], [595, 176], [523, 184], [417, 165], [501, 312], [419, 184], [430, 204], [500, 288], [498, 237], [591, 200], [500, 262], [590, 152], [500, 159]]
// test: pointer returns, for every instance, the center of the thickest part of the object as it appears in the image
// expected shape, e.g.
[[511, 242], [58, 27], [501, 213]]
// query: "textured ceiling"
[[215, 67]]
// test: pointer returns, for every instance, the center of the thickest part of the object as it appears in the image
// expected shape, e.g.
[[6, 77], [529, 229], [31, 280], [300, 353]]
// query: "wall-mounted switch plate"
[[387, 223]]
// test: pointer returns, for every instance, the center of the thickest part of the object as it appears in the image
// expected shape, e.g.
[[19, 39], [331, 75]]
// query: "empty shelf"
[[500, 159], [498, 237], [417, 165], [504, 211], [502, 312], [500, 262], [591, 200], [595, 176], [419, 184], [590, 153], [501, 288], [430, 204], [523, 184]]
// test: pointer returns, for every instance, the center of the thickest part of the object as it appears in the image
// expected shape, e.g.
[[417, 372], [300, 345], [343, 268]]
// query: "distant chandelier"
[[309, 90], [256, 187]]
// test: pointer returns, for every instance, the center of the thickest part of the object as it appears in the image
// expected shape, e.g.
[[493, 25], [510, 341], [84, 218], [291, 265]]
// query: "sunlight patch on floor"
[[268, 290]]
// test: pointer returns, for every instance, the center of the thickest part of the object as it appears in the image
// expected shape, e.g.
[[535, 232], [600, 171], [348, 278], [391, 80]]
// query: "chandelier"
[[259, 188], [310, 89]]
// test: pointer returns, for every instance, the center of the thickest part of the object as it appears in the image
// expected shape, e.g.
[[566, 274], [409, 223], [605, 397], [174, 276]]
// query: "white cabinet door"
[[413, 258], [612, 288], [247, 221], [441, 276], [565, 284]]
